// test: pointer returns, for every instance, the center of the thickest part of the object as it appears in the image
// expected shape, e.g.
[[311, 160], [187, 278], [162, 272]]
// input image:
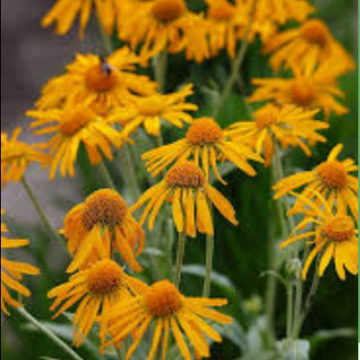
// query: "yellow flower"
[[169, 310], [97, 290], [204, 140], [164, 25], [332, 179], [64, 12], [311, 90], [186, 188], [334, 236], [73, 126], [100, 225], [16, 156], [150, 110], [307, 46], [289, 125], [103, 83], [13, 271]]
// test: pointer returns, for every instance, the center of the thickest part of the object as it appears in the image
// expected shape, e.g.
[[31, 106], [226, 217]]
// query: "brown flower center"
[[105, 207], [204, 131], [339, 228], [221, 11], [333, 174], [168, 10], [101, 78], [302, 92], [150, 106], [104, 277], [185, 174], [162, 299], [265, 120], [75, 120], [316, 32]]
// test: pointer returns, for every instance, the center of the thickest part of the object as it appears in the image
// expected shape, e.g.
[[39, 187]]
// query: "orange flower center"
[[302, 92], [168, 10], [150, 106], [104, 277], [162, 299], [221, 11], [185, 174], [100, 78], [316, 32], [75, 120], [204, 131], [265, 120], [339, 228], [333, 174], [105, 207]]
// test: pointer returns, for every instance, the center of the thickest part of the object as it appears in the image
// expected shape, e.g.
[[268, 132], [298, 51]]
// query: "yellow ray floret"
[[64, 13], [96, 290], [308, 89], [150, 110], [72, 126], [332, 179], [289, 125], [100, 82], [333, 236], [204, 141], [172, 314], [307, 46], [16, 155], [12, 271], [186, 188], [100, 225]]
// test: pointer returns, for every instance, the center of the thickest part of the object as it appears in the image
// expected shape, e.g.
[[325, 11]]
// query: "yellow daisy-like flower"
[[150, 110], [95, 81], [204, 140], [186, 188], [289, 125], [164, 25], [97, 290], [12, 271], [332, 179], [100, 225], [16, 155], [73, 126], [64, 13], [334, 237], [311, 90], [163, 305], [307, 46]]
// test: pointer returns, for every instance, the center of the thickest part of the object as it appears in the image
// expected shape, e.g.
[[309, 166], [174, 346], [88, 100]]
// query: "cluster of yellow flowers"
[[100, 102]]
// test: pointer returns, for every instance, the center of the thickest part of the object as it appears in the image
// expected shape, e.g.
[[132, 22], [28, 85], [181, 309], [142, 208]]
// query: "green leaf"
[[233, 332], [326, 335]]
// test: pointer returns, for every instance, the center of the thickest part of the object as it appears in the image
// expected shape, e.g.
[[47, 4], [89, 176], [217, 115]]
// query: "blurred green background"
[[240, 255]]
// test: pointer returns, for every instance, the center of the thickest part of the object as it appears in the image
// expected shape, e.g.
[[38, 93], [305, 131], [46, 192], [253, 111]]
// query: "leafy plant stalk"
[[179, 257], [208, 262]]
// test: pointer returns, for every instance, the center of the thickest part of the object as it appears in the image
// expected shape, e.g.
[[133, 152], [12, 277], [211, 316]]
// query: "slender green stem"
[[160, 69], [106, 176], [41, 213], [209, 264], [179, 257], [105, 39], [237, 63], [289, 309], [61, 344]]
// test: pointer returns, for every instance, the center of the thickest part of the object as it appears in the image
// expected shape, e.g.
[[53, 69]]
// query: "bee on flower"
[[186, 188], [333, 236], [163, 305], [13, 271], [204, 141], [102, 224], [289, 125], [70, 127], [17, 155], [332, 179], [95, 290]]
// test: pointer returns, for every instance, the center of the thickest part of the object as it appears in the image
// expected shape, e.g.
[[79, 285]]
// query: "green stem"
[[66, 348], [160, 69], [289, 309], [106, 176], [41, 213], [105, 40], [179, 257], [237, 63], [208, 262]]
